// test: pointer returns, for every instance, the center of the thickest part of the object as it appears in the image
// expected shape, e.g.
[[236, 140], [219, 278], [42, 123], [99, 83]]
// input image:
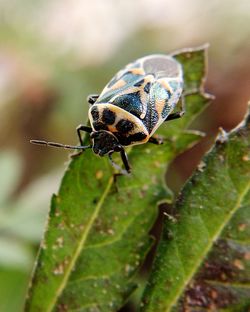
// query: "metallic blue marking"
[[166, 110], [112, 82], [130, 80], [130, 102], [151, 117], [174, 85]]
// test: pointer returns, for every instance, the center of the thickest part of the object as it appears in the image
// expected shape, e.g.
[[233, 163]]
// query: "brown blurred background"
[[53, 54]]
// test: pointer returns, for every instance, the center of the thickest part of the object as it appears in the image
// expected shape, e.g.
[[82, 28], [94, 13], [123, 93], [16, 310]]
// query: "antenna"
[[59, 145]]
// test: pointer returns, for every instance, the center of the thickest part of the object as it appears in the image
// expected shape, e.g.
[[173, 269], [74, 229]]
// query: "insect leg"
[[82, 128], [124, 157], [178, 114], [92, 98], [117, 167]]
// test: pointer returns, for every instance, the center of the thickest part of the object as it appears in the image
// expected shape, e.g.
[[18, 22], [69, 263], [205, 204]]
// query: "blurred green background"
[[53, 54]]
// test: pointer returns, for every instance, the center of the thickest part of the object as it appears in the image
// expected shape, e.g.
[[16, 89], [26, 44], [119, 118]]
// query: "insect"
[[131, 107]]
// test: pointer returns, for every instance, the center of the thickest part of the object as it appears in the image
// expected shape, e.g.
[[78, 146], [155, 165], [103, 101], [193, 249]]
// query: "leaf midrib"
[[209, 246], [79, 246]]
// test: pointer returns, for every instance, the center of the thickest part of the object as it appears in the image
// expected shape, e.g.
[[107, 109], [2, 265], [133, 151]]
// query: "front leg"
[[92, 98], [78, 130], [124, 158], [82, 128]]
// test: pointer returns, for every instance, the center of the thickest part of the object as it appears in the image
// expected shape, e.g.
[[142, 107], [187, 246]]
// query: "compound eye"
[[125, 125]]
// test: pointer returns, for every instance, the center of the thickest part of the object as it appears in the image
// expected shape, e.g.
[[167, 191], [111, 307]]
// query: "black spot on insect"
[[99, 126], [129, 139], [147, 87], [95, 113], [139, 136], [108, 117], [124, 126], [139, 83], [123, 140]]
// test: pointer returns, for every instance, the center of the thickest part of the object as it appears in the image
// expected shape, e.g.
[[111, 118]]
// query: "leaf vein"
[[209, 245], [79, 246]]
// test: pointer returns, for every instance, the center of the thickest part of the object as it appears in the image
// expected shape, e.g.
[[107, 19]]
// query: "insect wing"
[[148, 88], [123, 80]]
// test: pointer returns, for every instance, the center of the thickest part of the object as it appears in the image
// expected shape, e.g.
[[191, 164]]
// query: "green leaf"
[[13, 284], [194, 68], [211, 213], [97, 232]]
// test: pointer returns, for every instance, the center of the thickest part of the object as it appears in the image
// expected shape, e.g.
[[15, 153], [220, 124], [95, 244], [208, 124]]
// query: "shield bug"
[[131, 107]]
